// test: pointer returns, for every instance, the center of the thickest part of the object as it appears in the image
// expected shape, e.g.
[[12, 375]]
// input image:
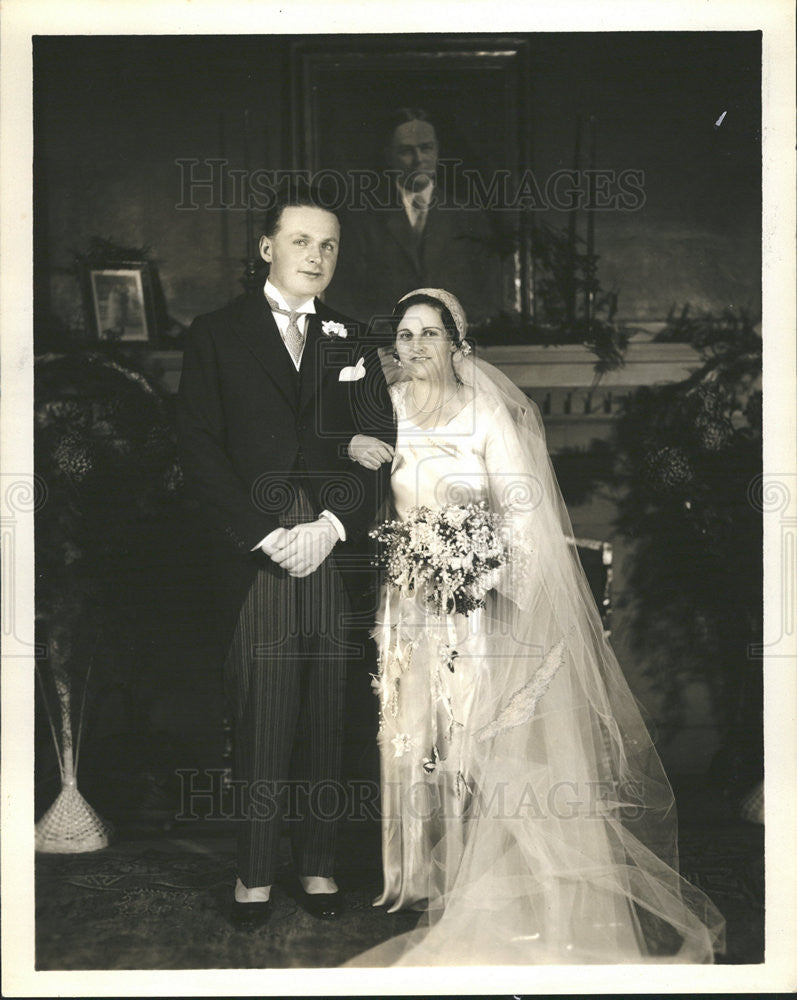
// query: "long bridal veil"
[[567, 852]]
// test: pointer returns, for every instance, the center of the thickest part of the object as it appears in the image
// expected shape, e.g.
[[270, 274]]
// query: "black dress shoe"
[[323, 905], [247, 916]]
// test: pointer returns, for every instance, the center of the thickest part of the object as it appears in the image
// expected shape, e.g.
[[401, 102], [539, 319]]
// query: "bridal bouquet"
[[448, 555]]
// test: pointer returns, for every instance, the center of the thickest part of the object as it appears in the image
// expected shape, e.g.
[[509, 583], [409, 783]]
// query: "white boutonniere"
[[332, 329]]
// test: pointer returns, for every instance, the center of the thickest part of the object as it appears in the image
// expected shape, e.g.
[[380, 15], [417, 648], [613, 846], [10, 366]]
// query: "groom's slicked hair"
[[298, 193], [427, 300]]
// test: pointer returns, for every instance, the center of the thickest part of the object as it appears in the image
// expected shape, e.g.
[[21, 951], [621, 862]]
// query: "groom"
[[274, 388]]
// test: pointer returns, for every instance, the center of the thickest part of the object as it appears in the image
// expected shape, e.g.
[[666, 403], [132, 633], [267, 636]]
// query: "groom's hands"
[[301, 550]]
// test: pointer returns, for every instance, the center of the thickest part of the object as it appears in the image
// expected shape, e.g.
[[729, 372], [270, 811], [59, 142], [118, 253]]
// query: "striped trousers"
[[285, 675]]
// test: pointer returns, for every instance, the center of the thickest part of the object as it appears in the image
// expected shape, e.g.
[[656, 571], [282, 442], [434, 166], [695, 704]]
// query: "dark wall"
[[114, 115], [656, 98]]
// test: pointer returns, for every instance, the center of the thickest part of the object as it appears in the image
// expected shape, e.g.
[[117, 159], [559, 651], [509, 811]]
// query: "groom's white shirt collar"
[[274, 293]]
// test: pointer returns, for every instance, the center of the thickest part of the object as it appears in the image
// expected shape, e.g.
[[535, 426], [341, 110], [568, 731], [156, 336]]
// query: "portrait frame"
[[399, 69], [472, 86], [119, 302]]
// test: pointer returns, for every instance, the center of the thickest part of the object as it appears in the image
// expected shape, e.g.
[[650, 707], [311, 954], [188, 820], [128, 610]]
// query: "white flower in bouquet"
[[448, 555]]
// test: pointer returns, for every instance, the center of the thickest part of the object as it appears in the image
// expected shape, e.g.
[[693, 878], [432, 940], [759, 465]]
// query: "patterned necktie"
[[293, 337]]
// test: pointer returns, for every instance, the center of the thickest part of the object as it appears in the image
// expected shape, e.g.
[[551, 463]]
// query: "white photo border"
[[20, 21]]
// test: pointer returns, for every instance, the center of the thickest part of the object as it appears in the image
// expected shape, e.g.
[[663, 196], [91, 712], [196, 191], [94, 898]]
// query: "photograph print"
[[406, 608], [120, 311]]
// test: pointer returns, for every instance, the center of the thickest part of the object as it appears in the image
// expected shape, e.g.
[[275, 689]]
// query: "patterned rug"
[[160, 903]]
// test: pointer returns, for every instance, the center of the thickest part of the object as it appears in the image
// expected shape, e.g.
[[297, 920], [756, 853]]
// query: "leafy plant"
[[102, 252], [104, 449], [570, 306], [688, 456], [705, 330]]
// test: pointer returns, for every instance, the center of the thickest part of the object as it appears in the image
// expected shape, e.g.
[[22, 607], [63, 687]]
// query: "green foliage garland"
[[689, 458]]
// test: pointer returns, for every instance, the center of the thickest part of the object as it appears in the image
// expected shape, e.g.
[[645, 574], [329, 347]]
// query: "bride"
[[525, 810]]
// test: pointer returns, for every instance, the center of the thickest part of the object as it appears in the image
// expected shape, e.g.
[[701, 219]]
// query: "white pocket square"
[[351, 373]]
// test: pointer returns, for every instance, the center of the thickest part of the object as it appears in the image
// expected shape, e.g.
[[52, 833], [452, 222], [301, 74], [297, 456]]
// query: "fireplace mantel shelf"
[[532, 367]]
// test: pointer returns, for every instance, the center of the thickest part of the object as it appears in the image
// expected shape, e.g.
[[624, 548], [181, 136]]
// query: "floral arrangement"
[[450, 555]]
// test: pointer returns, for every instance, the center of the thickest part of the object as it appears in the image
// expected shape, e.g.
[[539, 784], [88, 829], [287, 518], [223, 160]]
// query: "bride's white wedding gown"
[[524, 807]]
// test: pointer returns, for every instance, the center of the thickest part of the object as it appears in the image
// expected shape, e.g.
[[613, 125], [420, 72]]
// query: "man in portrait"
[[415, 232]]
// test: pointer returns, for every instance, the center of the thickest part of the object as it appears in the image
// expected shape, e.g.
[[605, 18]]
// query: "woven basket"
[[70, 825]]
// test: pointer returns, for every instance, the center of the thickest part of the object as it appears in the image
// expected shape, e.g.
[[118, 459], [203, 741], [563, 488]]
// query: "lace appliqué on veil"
[[397, 395], [404, 743], [523, 703]]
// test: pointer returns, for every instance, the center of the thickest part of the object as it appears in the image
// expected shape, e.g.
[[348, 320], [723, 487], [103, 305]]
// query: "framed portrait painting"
[[477, 92]]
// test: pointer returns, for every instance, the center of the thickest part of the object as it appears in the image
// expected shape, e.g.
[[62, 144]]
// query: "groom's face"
[[302, 252]]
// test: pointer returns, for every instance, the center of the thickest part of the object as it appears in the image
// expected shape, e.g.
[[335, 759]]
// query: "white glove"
[[304, 547], [277, 539]]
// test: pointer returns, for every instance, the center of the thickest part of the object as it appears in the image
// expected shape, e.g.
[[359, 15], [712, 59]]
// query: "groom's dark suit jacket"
[[250, 426]]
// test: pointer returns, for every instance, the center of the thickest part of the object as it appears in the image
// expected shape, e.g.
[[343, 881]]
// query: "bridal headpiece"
[[452, 303]]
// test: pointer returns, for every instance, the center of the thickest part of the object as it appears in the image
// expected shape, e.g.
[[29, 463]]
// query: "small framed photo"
[[119, 301]]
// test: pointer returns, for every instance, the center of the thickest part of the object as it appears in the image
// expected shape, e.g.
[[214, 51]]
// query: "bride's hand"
[[370, 452]]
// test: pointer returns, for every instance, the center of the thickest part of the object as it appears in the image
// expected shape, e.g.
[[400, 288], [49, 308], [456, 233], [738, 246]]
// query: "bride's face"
[[423, 345]]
